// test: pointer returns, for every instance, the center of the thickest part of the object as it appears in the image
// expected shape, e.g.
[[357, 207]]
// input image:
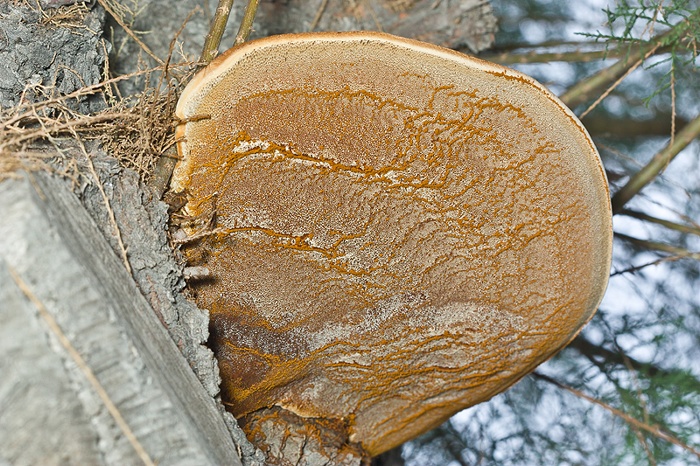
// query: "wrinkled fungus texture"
[[402, 231]]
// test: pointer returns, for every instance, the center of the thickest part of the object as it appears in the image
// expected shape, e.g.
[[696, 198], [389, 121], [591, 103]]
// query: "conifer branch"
[[654, 430], [587, 88], [658, 246], [682, 228], [657, 164]]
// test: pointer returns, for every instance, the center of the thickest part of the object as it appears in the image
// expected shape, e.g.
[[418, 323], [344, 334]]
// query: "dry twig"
[[682, 228], [319, 14], [247, 22], [117, 17], [678, 252], [619, 80], [108, 205], [216, 31], [657, 164], [635, 423]]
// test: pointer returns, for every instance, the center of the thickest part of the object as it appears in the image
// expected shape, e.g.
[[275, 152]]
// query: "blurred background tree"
[[627, 390]]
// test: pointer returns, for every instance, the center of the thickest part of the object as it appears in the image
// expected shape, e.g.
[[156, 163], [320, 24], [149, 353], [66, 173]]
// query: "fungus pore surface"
[[395, 231]]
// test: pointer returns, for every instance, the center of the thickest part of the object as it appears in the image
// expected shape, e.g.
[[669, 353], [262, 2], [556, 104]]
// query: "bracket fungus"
[[394, 231]]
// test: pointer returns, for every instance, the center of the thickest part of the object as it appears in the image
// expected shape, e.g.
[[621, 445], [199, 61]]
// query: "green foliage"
[[638, 20], [672, 25]]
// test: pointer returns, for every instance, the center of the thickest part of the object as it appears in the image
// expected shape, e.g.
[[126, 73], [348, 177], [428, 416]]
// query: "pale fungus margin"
[[395, 231]]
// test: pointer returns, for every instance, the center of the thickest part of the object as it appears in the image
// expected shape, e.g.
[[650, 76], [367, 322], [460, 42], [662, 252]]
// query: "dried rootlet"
[[394, 231]]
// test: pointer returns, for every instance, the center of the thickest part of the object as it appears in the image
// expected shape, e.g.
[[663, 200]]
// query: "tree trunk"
[[87, 363]]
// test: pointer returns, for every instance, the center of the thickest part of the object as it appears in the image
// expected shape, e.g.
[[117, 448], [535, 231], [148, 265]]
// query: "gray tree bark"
[[64, 289]]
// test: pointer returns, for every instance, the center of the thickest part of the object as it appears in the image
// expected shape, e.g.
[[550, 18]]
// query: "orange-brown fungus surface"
[[396, 231]]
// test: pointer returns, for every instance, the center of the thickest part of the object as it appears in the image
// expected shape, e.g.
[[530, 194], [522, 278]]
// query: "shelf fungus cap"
[[396, 231]]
